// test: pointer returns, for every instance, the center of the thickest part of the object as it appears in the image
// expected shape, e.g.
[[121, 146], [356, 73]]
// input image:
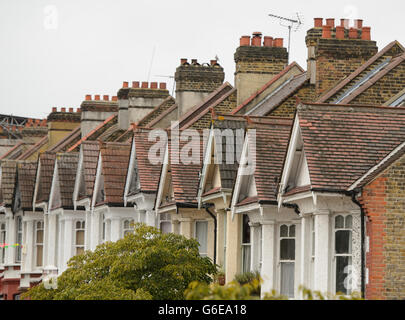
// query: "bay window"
[[287, 260], [128, 227], [18, 237], [201, 235], [3, 235], [245, 244], [79, 237], [165, 223], [39, 242]]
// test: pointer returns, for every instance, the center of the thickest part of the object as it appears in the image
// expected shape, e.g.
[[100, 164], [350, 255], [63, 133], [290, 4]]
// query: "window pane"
[[79, 250], [339, 222], [39, 256], [201, 231], [283, 231], [287, 279], [287, 249], [292, 231], [245, 258], [126, 224], [78, 225], [80, 237], [343, 242], [245, 229], [40, 236], [343, 274], [349, 222]]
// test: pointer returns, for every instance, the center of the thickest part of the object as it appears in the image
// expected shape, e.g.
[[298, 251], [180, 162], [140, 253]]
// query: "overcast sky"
[[54, 52]]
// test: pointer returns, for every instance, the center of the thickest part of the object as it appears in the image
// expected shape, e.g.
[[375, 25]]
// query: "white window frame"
[[202, 254], [3, 240], [167, 219], [280, 262], [82, 228], [334, 265], [245, 245], [130, 227], [37, 244], [18, 238]]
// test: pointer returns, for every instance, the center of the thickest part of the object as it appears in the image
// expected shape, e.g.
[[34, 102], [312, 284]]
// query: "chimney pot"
[[326, 32], [88, 97], [257, 39], [78, 110], [70, 109], [114, 98], [245, 41], [194, 61], [365, 33], [97, 96], [353, 34], [183, 61], [53, 110], [145, 85], [278, 42], [213, 62], [358, 23], [268, 41], [330, 22], [30, 120], [344, 23], [340, 32], [14, 127], [125, 84], [318, 22], [63, 110], [153, 85], [162, 85], [106, 97], [135, 84]]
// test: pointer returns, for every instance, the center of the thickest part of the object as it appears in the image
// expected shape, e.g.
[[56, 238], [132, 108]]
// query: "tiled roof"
[[35, 148], [202, 108], [69, 140], [15, 151], [163, 115], [91, 150], [185, 177], [373, 60], [115, 159], [8, 181], [96, 132], [47, 164], [67, 167], [156, 112], [278, 96], [266, 86], [271, 147], [246, 201], [342, 142], [148, 173], [26, 178]]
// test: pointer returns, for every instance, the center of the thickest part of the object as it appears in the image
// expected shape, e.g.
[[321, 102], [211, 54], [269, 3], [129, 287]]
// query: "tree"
[[143, 265]]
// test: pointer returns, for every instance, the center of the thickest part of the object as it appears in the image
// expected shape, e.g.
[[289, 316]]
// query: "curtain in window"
[[201, 234], [287, 279]]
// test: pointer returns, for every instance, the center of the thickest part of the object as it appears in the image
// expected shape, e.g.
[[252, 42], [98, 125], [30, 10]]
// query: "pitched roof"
[[203, 107], [67, 167], [271, 147], [91, 150], [115, 160], [97, 131], [35, 148], [47, 164], [169, 102], [14, 152], [343, 142], [373, 60], [166, 113], [8, 181], [26, 179], [278, 96], [148, 173], [266, 86]]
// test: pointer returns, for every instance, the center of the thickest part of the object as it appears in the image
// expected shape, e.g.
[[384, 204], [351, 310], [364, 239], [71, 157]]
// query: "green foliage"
[[317, 295], [143, 265], [249, 277]]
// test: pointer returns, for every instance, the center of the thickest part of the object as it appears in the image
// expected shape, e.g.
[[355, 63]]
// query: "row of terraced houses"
[[324, 206]]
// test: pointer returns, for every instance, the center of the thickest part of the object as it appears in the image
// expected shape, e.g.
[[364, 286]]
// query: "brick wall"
[[384, 203]]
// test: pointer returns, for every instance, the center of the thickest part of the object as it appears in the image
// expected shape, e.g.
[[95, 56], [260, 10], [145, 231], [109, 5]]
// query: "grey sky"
[[96, 44]]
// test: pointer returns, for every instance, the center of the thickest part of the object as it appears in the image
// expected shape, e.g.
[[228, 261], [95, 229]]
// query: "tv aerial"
[[290, 24]]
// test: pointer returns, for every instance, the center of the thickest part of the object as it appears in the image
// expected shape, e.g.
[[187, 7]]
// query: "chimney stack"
[[257, 63]]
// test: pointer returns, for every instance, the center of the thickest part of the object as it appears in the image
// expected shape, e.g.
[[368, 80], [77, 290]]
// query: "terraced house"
[[298, 174]]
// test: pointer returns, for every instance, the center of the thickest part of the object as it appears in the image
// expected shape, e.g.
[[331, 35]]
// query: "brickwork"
[[198, 78], [384, 203]]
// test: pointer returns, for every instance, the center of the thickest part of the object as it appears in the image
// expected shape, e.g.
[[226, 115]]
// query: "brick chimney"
[[195, 81], [60, 123], [138, 100], [334, 52], [257, 62], [94, 111]]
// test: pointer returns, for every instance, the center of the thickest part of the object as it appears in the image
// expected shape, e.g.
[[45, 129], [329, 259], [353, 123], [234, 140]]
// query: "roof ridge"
[[34, 148], [156, 108]]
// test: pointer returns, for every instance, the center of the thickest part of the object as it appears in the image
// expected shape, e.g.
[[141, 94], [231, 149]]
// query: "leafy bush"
[[143, 265], [249, 277]]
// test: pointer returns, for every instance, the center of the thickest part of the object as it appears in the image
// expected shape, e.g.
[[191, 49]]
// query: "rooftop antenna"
[[170, 77], [290, 24]]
